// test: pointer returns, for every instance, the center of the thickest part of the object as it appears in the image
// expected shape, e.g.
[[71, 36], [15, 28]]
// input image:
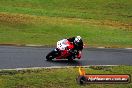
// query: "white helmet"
[[77, 40]]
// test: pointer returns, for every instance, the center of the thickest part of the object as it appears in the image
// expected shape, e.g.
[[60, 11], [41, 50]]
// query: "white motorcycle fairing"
[[62, 44]]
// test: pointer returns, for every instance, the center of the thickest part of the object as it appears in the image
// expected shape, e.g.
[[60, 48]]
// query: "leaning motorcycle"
[[64, 50]]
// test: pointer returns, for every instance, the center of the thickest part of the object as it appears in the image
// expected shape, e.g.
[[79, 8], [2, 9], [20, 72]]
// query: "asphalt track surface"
[[25, 57]]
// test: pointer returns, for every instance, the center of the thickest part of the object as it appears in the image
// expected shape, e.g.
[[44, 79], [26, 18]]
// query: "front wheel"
[[70, 58]]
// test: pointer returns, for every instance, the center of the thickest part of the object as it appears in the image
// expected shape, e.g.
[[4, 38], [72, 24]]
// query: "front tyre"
[[70, 58]]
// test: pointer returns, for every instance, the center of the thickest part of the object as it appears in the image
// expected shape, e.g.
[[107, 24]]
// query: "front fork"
[[79, 54]]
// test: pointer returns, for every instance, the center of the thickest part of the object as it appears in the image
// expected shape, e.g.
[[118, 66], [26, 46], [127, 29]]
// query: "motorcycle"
[[64, 50]]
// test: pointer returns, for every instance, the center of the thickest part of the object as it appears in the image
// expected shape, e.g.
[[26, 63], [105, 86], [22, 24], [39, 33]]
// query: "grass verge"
[[27, 29], [100, 23], [59, 77]]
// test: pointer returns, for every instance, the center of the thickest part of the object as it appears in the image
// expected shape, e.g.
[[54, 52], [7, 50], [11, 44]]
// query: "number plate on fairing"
[[62, 44]]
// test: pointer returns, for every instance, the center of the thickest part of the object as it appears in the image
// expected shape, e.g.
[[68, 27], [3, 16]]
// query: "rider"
[[78, 45]]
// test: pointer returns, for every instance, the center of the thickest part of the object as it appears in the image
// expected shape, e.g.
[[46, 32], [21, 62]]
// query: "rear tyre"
[[52, 55], [49, 57]]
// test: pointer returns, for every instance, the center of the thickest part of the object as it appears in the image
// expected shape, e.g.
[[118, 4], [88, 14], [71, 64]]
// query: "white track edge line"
[[53, 67]]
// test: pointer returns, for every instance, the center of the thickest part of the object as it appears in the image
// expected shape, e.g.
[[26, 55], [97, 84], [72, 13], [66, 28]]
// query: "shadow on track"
[[66, 62]]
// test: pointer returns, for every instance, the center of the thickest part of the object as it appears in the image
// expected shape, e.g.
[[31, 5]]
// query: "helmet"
[[77, 40]]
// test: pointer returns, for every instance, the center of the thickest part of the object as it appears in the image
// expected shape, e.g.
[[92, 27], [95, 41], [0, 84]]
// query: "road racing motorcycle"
[[64, 50]]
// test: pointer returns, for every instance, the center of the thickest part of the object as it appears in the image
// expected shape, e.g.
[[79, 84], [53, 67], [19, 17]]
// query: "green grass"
[[93, 36], [58, 78], [87, 9], [100, 23]]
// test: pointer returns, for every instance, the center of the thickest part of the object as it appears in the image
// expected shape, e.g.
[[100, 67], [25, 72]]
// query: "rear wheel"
[[49, 57], [52, 55]]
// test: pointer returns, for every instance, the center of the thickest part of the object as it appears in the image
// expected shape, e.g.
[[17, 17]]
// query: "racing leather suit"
[[77, 48]]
